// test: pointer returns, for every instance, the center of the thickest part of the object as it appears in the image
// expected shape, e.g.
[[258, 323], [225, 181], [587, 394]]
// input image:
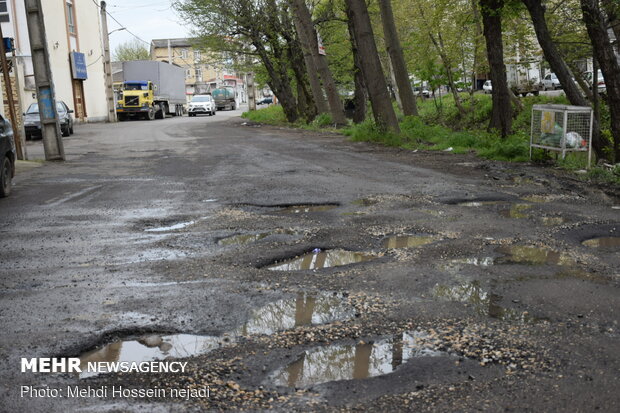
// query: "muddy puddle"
[[303, 310], [516, 254], [407, 241], [152, 347], [603, 243], [484, 303], [319, 259], [478, 203], [304, 209], [243, 239], [355, 361], [365, 202]]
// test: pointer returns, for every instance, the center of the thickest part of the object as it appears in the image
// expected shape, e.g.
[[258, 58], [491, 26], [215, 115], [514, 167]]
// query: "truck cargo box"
[[169, 79]]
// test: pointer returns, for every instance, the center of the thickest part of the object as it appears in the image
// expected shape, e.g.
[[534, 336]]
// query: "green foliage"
[[131, 50], [322, 120], [272, 115]]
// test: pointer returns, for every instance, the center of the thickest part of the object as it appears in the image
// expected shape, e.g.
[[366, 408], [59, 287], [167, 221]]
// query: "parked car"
[[600, 81], [487, 87], [267, 100], [421, 91], [32, 120], [201, 104], [551, 81], [7, 157]]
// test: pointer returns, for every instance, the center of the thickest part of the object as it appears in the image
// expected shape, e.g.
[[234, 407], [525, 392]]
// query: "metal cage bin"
[[562, 128]]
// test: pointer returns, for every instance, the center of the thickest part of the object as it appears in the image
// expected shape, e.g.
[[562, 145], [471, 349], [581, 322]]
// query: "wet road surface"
[[300, 271]]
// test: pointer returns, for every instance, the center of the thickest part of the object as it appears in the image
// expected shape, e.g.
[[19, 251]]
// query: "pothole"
[[478, 203], [152, 347], [407, 241], [243, 239], [355, 361], [365, 202], [304, 209], [552, 221], [517, 211], [318, 259], [483, 302], [305, 309], [516, 254], [602, 242]]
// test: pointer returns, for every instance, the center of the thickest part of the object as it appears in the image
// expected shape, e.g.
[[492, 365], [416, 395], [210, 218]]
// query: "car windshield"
[[34, 108], [136, 86], [201, 99]]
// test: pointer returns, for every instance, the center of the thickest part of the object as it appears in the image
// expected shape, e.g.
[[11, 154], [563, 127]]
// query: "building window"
[[70, 18], [198, 75], [4, 11], [188, 73], [196, 55], [183, 53]]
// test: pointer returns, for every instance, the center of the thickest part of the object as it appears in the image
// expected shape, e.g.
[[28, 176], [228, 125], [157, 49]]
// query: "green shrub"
[[272, 115]]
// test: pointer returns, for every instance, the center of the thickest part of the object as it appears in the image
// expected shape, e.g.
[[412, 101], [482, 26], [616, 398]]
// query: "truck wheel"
[[159, 112], [5, 177], [233, 107], [121, 117], [536, 93], [150, 115]]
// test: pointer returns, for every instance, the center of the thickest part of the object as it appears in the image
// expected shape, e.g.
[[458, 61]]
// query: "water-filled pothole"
[[243, 239], [171, 227], [602, 242], [407, 241], [483, 302], [303, 209], [305, 309], [517, 254], [152, 347], [355, 361], [318, 259]]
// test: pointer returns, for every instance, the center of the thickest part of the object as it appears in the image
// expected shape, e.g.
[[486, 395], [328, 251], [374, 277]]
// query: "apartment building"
[[75, 46]]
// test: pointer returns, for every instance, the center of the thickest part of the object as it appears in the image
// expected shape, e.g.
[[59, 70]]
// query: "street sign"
[[78, 65], [8, 44], [320, 42]]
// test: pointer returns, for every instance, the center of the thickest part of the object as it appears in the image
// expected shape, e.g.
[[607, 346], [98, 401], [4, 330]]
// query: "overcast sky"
[[149, 20]]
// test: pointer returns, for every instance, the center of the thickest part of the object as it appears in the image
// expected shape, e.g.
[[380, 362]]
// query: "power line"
[[122, 25]]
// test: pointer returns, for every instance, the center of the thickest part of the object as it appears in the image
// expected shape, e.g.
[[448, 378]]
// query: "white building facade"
[[73, 32]]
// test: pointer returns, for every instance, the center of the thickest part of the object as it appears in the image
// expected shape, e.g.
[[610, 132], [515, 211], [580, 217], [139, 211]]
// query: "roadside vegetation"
[[382, 53]]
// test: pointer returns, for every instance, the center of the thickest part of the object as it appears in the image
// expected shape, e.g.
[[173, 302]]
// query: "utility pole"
[[107, 66], [251, 91], [50, 128], [8, 87], [22, 129]]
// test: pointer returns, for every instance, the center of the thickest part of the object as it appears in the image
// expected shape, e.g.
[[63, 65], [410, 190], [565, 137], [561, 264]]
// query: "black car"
[[7, 157], [32, 120]]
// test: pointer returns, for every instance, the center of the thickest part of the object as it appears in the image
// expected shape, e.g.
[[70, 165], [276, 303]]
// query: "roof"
[[182, 42]]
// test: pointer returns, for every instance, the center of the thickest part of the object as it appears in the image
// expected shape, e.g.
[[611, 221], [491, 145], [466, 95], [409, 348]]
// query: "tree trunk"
[[501, 114], [607, 60], [382, 108], [448, 66], [333, 98], [360, 96], [559, 66], [313, 77], [399, 67], [279, 83]]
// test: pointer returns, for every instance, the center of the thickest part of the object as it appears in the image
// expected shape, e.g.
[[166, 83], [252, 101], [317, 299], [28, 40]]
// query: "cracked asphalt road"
[[501, 307]]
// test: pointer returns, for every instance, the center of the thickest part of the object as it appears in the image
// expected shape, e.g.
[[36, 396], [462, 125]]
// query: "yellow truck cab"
[[137, 98]]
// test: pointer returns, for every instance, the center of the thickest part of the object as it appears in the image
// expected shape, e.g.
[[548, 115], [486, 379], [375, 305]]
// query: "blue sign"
[[46, 103], [78, 65], [8, 44]]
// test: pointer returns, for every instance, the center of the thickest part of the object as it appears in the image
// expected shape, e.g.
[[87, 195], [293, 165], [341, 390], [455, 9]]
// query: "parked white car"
[[487, 87], [201, 104], [551, 82], [600, 81]]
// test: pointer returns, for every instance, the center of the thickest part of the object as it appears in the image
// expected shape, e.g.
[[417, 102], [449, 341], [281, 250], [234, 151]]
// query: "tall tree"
[[313, 76], [501, 114], [382, 108], [557, 62], [360, 93], [401, 74], [131, 50], [320, 62], [596, 23]]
